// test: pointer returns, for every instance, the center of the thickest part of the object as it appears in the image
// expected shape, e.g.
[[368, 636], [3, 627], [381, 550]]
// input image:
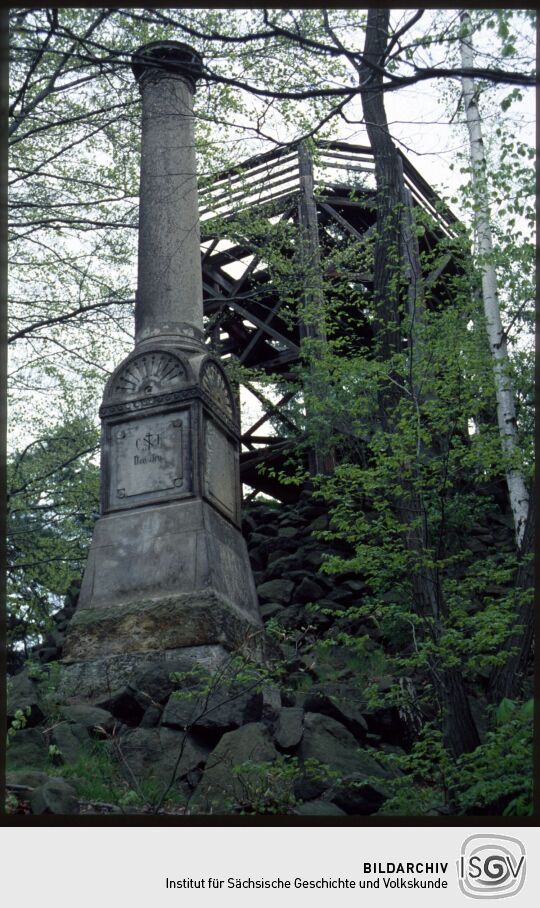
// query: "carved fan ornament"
[[148, 373], [216, 387]]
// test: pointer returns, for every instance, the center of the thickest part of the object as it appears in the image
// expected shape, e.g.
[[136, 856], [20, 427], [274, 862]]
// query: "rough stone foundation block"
[[95, 678], [154, 625]]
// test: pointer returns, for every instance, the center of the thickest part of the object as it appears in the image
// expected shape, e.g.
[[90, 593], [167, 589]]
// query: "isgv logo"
[[491, 866]]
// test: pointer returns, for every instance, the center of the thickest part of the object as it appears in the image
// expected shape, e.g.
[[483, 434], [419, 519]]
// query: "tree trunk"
[[507, 680], [397, 287], [459, 728], [321, 458], [387, 278], [506, 411]]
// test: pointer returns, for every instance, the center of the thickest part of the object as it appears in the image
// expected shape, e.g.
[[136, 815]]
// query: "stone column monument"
[[168, 569]]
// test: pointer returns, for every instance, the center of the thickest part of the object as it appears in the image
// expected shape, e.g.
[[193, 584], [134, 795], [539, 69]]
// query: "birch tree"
[[506, 410]]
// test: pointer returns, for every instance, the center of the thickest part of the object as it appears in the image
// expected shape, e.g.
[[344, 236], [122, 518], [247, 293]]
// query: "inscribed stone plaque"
[[220, 479], [149, 459]]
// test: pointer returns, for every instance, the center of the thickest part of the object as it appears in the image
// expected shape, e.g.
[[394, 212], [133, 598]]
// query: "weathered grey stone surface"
[[22, 693], [308, 591], [329, 742], [153, 752], [89, 716], [342, 705], [288, 533], [219, 786], [361, 790], [177, 548], [29, 778], [72, 739], [169, 285], [229, 706], [27, 750], [271, 702], [289, 727], [319, 808], [276, 591], [171, 622], [168, 567], [126, 704], [54, 797], [96, 678], [151, 717]]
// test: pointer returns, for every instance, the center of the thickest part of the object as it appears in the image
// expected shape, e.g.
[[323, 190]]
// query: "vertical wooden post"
[[312, 321]]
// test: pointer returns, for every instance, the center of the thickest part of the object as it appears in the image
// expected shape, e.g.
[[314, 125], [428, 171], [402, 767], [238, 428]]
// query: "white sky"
[[419, 122]]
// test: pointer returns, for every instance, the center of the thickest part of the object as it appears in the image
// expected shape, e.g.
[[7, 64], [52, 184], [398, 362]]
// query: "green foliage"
[[268, 787], [53, 500], [496, 778], [18, 722], [95, 774], [418, 453], [498, 774], [97, 778]]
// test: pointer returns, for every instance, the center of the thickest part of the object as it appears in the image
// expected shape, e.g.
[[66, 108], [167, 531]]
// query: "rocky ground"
[[297, 737]]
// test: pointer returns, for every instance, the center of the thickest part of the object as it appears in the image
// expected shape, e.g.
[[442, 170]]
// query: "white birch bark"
[[506, 411]]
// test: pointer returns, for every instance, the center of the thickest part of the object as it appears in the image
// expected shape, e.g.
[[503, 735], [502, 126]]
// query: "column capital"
[[167, 60]]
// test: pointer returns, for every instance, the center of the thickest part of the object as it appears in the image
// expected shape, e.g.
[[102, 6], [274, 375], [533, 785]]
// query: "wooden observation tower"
[[325, 197]]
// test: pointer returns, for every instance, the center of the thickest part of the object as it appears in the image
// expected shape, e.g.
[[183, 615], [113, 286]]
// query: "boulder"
[[281, 566], [249, 524], [319, 808], [289, 727], [22, 693], [330, 743], [72, 739], [268, 530], [289, 532], [319, 523], [340, 706], [158, 754], [256, 560], [276, 591], [293, 616], [27, 750], [220, 790], [356, 587], [28, 778], [278, 546], [357, 797], [257, 539], [264, 515], [155, 681], [270, 610], [151, 717], [271, 703], [54, 797], [308, 591], [313, 558], [359, 790], [229, 706], [91, 717], [127, 704], [46, 654]]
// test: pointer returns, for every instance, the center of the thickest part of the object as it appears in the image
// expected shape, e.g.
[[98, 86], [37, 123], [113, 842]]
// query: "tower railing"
[[272, 178]]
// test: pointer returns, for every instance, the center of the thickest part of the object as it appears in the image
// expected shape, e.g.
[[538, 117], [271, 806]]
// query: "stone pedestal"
[[168, 567]]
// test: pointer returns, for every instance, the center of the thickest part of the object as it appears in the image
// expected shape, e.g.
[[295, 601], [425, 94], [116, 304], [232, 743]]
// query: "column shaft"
[[169, 275]]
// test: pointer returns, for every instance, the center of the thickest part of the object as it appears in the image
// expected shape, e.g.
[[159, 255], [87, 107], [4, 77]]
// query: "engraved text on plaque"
[[149, 459]]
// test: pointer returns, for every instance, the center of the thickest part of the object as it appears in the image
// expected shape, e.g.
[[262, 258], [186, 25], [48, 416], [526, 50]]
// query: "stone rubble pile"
[[310, 706]]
